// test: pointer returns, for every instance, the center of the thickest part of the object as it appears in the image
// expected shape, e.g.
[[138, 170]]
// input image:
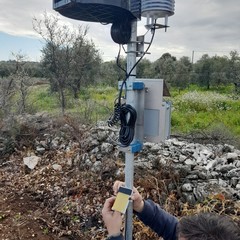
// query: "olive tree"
[[67, 56], [14, 88]]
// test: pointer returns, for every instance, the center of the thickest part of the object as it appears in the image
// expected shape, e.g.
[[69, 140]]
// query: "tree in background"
[[14, 88], [203, 70], [85, 66], [145, 69], [23, 82], [7, 91], [113, 71], [219, 67], [216, 71], [181, 79], [33, 69], [233, 71], [165, 67], [67, 56]]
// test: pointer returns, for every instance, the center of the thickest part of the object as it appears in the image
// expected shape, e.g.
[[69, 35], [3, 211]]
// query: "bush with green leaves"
[[202, 101], [198, 110]]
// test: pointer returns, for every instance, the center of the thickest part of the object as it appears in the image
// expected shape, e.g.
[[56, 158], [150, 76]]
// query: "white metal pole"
[[129, 156]]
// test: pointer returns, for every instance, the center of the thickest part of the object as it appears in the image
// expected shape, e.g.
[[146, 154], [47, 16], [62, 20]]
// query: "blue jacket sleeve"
[[161, 222]]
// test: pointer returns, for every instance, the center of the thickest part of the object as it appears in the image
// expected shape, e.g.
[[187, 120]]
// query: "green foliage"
[[69, 58], [45, 230], [202, 101], [102, 93], [33, 69], [195, 110], [42, 99], [205, 111], [2, 216], [93, 103]]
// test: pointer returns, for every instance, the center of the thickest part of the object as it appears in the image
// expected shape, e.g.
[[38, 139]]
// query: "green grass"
[[203, 110], [93, 103], [192, 109], [41, 99]]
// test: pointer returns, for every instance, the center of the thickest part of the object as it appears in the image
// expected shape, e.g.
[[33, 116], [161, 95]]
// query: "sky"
[[203, 26]]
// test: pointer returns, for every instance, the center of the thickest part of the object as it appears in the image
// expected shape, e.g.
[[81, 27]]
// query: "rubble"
[[72, 173]]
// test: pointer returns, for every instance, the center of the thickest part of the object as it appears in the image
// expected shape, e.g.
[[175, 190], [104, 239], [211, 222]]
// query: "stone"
[[187, 187], [40, 150], [88, 163], [97, 166], [225, 168], [196, 155], [214, 174], [31, 162], [189, 198], [155, 148], [165, 153], [237, 164], [232, 156], [234, 173], [234, 181], [102, 135], [190, 162], [222, 183], [206, 152], [94, 142], [202, 175], [178, 143], [57, 167], [199, 193], [95, 150], [182, 158], [211, 164], [228, 148], [202, 169], [192, 177], [106, 147]]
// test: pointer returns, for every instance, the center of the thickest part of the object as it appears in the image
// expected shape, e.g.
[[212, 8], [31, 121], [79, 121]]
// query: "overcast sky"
[[202, 26]]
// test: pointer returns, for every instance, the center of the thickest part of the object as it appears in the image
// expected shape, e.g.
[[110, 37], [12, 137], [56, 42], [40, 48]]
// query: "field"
[[195, 111]]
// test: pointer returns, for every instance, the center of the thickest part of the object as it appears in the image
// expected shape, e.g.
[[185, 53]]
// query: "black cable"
[[129, 74], [115, 117], [117, 60], [128, 116], [125, 113]]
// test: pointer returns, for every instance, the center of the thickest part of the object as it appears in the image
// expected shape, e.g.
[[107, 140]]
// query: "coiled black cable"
[[128, 117], [113, 120], [125, 113]]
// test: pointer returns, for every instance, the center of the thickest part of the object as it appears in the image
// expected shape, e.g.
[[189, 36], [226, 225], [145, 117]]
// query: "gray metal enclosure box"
[[157, 112]]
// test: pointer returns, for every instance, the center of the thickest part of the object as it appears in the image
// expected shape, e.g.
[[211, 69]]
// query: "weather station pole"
[[129, 156]]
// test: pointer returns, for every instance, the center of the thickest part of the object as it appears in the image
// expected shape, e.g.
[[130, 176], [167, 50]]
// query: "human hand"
[[138, 202], [112, 219]]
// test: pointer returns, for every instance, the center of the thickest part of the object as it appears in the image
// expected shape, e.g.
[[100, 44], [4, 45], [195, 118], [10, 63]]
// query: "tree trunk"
[[63, 100]]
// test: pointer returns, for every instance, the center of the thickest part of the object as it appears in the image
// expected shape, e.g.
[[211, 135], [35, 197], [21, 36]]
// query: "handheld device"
[[122, 200]]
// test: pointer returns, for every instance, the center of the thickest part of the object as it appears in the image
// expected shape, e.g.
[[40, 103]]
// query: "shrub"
[[202, 101]]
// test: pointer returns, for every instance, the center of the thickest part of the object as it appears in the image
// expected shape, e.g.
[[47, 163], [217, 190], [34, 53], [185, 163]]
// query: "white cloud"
[[206, 25]]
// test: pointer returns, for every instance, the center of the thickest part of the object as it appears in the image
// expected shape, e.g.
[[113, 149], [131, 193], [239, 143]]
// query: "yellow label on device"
[[122, 200]]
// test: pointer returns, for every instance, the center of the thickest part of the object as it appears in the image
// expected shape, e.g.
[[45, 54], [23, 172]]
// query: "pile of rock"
[[203, 169]]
